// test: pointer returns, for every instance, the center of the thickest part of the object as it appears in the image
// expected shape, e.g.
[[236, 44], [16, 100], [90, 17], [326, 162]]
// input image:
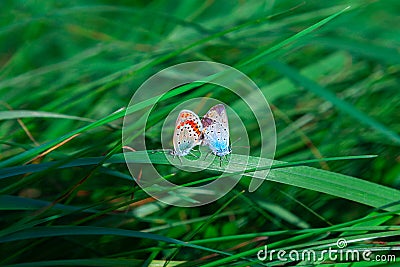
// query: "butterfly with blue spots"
[[216, 131]]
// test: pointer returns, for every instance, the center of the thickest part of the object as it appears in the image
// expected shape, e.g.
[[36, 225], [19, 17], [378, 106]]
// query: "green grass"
[[68, 69]]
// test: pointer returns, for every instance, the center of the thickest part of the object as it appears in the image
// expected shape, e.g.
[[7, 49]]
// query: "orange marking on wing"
[[180, 125], [195, 126], [192, 124]]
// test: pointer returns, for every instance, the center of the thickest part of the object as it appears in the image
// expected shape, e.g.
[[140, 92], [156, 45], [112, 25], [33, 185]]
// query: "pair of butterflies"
[[211, 130]]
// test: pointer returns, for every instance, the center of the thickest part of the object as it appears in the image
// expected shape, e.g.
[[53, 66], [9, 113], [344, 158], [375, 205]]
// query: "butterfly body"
[[187, 133], [216, 131]]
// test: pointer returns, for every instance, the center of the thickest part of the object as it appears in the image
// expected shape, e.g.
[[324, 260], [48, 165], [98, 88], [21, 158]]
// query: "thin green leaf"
[[8, 202], [291, 39], [17, 114], [337, 102], [335, 184], [47, 231]]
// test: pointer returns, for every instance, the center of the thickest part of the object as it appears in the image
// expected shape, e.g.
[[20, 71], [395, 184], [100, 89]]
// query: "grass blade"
[[331, 183], [337, 102], [17, 114], [46, 231]]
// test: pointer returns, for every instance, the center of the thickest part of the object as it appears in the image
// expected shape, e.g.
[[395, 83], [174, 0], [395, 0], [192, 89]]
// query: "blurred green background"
[[65, 66]]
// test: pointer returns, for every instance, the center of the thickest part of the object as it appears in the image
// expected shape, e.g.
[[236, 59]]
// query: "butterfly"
[[216, 131], [187, 133]]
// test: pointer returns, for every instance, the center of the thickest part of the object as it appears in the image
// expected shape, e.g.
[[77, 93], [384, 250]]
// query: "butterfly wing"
[[187, 133], [216, 130]]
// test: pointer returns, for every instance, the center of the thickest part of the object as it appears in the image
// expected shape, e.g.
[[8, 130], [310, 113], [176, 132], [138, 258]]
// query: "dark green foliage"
[[330, 74]]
